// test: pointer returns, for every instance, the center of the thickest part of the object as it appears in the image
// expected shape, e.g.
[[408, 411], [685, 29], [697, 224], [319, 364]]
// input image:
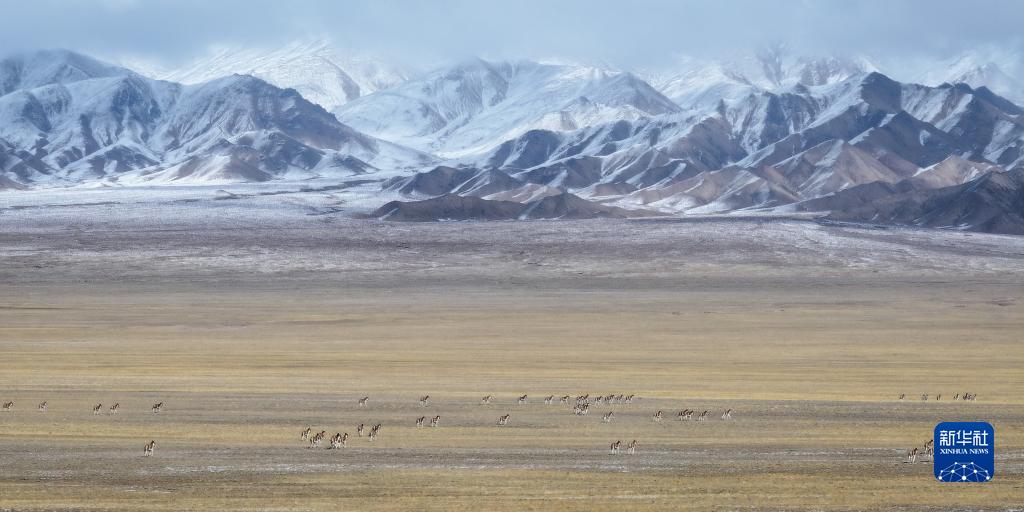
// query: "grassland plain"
[[808, 334]]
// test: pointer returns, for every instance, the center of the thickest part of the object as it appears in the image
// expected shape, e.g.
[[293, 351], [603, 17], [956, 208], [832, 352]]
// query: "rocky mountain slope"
[[75, 120]]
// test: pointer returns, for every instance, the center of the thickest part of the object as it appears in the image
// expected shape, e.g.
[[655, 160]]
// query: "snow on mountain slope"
[[476, 105], [765, 150], [319, 72], [44, 67], [700, 84], [998, 69], [127, 128]]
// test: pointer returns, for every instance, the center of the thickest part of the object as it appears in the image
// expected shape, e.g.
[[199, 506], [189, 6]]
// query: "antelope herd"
[[580, 407], [969, 397], [928, 450]]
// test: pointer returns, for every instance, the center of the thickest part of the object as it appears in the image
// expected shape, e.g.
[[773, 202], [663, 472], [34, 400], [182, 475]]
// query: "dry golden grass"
[[812, 372]]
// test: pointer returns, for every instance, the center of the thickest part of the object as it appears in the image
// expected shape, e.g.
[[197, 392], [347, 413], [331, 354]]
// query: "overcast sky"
[[628, 33]]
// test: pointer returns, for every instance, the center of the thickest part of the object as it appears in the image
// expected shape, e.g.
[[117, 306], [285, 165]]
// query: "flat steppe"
[[252, 319]]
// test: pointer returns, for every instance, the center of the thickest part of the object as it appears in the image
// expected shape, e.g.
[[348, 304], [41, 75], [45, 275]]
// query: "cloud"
[[634, 33]]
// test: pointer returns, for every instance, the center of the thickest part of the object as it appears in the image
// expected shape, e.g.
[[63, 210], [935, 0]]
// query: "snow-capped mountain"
[[769, 132], [769, 150], [316, 69], [474, 106], [1000, 70], [698, 84], [78, 120]]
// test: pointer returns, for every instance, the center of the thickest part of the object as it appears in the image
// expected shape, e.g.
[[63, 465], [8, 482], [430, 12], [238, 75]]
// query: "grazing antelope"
[[912, 455], [157, 407], [727, 415], [435, 421], [96, 408], [522, 400], [373, 432], [114, 408], [359, 430], [658, 415], [614, 448], [503, 420], [564, 399], [486, 400], [631, 447], [317, 439], [338, 441], [607, 418], [8, 406], [305, 434], [420, 420], [42, 407], [362, 401], [902, 396], [581, 409], [148, 449], [425, 400], [549, 400]]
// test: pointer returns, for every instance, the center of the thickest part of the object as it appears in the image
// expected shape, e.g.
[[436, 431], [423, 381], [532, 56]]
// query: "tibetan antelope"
[[549, 400], [727, 415], [658, 415], [628, 399], [929, 448], [305, 434], [338, 441], [607, 418], [902, 396], [631, 447], [420, 420], [486, 400], [435, 421], [359, 430], [956, 397], [522, 400], [912, 455], [315, 441], [373, 432], [157, 407], [96, 408], [703, 416], [362, 401], [42, 407], [614, 448], [8, 406], [684, 414], [564, 399], [924, 397], [938, 396], [425, 400], [114, 408], [148, 449], [503, 420]]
